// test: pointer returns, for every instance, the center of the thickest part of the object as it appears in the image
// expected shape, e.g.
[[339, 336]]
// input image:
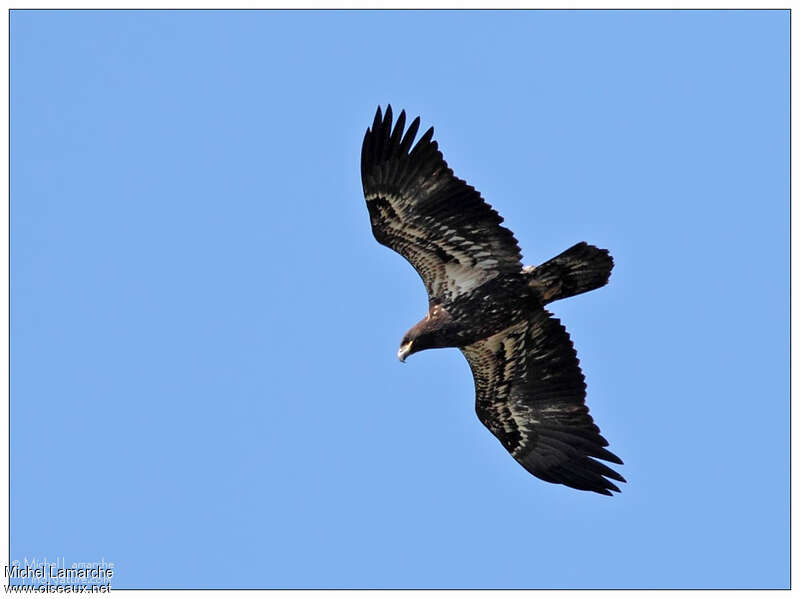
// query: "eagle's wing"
[[421, 210], [530, 393]]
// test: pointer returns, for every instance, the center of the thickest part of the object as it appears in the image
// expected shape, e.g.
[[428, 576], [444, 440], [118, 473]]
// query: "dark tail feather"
[[581, 268]]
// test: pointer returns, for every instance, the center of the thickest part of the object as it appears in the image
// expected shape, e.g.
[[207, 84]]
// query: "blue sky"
[[204, 388]]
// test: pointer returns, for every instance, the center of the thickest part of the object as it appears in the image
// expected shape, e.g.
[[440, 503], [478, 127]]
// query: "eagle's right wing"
[[436, 221], [530, 393]]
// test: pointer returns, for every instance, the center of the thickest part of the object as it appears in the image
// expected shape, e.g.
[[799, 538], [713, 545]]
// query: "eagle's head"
[[428, 333]]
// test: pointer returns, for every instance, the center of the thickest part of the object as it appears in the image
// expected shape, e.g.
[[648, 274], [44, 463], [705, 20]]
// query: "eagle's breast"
[[490, 308]]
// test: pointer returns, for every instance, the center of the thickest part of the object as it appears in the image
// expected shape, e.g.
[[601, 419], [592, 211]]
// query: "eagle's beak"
[[404, 350]]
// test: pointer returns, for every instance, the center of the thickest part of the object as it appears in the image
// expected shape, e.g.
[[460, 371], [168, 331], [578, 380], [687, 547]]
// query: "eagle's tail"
[[581, 268]]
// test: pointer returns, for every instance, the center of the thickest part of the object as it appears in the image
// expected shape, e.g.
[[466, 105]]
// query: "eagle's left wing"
[[530, 392], [419, 209]]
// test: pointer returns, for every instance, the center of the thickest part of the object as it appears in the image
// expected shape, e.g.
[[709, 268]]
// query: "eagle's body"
[[530, 391], [451, 322]]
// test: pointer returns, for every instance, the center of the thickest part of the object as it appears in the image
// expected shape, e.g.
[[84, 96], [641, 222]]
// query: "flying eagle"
[[529, 388]]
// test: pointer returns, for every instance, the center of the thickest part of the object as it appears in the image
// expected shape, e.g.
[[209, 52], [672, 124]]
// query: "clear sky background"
[[204, 383]]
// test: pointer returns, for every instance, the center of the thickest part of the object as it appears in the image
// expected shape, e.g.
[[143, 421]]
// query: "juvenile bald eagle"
[[529, 389]]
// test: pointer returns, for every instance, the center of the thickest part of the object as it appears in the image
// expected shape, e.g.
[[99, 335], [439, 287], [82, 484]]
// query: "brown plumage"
[[530, 391]]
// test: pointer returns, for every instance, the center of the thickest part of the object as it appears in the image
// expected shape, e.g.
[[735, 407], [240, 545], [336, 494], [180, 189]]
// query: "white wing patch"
[[499, 363], [462, 278], [474, 264]]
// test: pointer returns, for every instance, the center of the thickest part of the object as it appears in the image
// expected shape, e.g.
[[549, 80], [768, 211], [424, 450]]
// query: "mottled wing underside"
[[436, 221], [530, 392]]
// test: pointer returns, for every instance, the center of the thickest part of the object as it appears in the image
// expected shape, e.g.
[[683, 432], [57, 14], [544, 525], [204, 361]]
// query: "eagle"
[[529, 388]]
